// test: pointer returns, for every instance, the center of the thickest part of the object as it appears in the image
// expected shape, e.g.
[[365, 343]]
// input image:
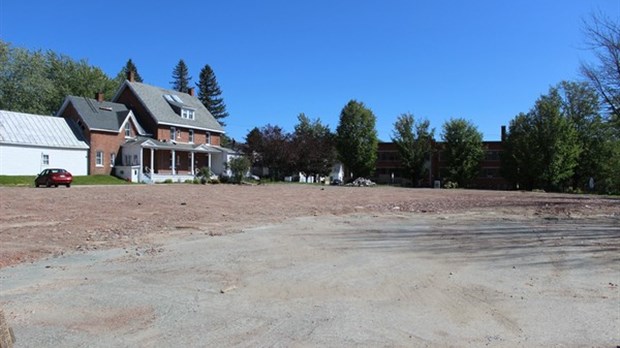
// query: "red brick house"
[[105, 126], [149, 134]]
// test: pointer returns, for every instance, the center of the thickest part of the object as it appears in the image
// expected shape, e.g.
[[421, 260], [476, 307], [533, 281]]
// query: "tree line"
[[38, 81], [567, 140]]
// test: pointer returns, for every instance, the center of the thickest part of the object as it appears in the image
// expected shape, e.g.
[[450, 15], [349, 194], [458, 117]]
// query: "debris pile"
[[359, 182]]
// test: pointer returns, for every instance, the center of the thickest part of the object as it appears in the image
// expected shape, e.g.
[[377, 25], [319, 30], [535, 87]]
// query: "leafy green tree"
[[313, 143], [253, 147], [462, 150], [413, 140], [209, 93], [271, 147], [180, 77], [580, 104], [37, 82], [543, 146], [239, 166], [356, 139], [129, 66]]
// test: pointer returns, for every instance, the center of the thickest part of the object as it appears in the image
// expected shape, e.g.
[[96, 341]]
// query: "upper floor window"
[[173, 133], [191, 135], [99, 159], [208, 138], [45, 159], [127, 130], [187, 113]]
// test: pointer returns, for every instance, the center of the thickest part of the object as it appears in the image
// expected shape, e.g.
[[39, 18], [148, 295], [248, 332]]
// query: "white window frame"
[[208, 138], [128, 130], [45, 159], [99, 158], [112, 159], [173, 133], [187, 113], [191, 136]]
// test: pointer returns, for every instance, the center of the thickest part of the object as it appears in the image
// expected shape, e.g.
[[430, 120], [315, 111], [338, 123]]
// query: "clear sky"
[[484, 61]]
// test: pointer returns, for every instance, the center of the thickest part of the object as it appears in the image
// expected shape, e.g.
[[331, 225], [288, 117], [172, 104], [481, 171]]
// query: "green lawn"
[[28, 180]]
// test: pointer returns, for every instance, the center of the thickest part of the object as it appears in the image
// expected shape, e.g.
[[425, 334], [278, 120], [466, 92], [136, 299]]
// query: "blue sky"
[[484, 61]]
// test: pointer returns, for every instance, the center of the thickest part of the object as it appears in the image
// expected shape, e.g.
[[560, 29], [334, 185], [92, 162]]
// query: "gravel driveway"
[[296, 265]]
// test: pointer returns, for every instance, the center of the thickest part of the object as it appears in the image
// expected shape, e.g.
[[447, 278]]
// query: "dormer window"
[[180, 108], [187, 113], [127, 130]]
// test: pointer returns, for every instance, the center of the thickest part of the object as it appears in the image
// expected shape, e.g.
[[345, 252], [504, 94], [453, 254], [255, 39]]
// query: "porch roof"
[[149, 143]]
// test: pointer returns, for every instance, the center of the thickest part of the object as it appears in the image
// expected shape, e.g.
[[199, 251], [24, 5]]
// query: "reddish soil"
[[38, 223]]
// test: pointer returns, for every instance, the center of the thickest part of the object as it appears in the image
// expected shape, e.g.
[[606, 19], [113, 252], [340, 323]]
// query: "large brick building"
[[389, 168]]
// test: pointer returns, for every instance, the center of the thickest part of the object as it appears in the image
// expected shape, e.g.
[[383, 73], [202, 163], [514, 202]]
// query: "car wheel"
[[56, 185], [68, 185], [48, 184]]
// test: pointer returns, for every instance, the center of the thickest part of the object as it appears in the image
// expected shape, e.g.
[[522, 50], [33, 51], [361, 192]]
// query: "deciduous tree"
[[413, 140], [313, 144], [462, 150], [356, 139]]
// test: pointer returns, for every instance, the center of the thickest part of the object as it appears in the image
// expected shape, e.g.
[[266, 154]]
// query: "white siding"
[[27, 160]]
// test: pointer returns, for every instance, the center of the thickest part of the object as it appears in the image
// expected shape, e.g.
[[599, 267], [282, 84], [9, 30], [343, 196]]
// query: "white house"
[[30, 143]]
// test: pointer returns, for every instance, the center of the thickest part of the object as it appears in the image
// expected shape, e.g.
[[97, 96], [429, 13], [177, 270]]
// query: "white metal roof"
[[36, 130]]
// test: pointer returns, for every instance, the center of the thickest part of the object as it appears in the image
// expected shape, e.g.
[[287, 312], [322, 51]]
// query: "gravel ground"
[[297, 265]]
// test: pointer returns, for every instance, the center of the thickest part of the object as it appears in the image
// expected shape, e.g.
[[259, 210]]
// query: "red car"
[[53, 176]]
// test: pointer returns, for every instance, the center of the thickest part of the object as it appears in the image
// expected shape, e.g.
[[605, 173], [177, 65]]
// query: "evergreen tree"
[[462, 150], [209, 93], [413, 140], [129, 66], [181, 78], [356, 139]]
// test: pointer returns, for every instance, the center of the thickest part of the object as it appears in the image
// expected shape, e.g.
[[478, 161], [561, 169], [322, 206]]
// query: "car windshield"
[[55, 171]]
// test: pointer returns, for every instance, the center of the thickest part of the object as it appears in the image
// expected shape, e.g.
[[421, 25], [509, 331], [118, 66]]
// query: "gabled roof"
[[35, 130], [162, 111], [149, 143], [101, 116]]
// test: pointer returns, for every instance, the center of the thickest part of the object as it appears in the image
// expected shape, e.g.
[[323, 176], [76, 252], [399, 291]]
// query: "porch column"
[[152, 170], [209, 160], [192, 166], [141, 165], [174, 172]]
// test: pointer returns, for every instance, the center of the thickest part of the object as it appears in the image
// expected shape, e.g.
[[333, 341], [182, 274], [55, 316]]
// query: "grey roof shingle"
[[35, 130], [153, 99], [107, 116]]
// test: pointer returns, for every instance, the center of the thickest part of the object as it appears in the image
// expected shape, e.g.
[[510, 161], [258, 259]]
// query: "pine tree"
[[129, 66], [209, 94], [181, 78]]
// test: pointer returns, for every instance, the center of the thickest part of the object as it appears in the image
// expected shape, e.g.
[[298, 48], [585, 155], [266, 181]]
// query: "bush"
[[168, 181], [451, 185]]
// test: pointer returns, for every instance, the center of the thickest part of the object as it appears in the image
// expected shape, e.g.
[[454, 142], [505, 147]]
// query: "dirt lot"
[[295, 265]]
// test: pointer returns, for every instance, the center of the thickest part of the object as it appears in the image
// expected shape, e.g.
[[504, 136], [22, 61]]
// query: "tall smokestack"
[[131, 76], [99, 96], [503, 133], [190, 91]]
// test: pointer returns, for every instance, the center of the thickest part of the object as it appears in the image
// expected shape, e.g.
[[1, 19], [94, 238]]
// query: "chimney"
[[131, 76], [503, 133], [190, 91], [99, 96]]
